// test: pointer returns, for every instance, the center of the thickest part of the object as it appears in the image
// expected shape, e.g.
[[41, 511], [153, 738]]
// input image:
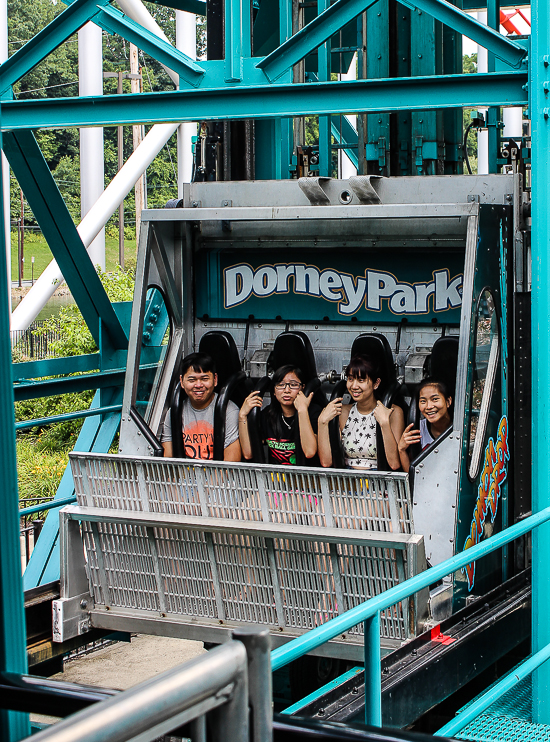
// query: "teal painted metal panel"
[[363, 285], [54, 366], [377, 57], [540, 330], [50, 211], [113, 21], [59, 30], [13, 640], [268, 101]]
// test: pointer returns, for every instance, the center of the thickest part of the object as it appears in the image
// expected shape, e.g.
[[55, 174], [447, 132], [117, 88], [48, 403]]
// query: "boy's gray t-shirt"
[[198, 428]]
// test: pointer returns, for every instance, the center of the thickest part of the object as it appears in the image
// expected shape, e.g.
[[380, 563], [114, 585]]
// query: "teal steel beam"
[[70, 384], [40, 189], [540, 333], [55, 33], [269, 101], [198, 7], [232, 40], [315, 33], [482, 4], [55, 366], [501, 46], [113, 21], [344, 133], [41, 421], [326, 24], [13, 641]]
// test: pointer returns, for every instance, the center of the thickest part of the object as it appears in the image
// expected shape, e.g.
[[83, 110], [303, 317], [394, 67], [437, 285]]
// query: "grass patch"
[[39, 470], [36, 245]]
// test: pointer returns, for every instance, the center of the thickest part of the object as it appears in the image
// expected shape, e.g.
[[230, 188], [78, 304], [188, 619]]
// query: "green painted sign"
[[309, 285]]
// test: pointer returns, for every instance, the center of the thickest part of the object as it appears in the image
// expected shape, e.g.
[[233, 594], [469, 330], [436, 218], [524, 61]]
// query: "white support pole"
[[513, 122], [92, 172], [347, 169], [94, 221], [483, 135], [186, 41]]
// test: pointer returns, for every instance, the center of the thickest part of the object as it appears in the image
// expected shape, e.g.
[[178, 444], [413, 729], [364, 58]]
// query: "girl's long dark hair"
[[274, 411]]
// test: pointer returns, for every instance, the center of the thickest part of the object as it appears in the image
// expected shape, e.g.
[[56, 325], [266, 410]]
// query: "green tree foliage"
[[57, 76], [469, 66], [75, 340]]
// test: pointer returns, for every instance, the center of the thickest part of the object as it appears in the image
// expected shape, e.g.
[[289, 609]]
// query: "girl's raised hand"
[[301, 403], [332, 410], [382, 414], [409, 437], [253, 400]]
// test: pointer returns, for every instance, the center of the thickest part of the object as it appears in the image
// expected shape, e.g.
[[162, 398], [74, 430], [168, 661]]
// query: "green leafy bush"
[[39, 471], [69, 323]]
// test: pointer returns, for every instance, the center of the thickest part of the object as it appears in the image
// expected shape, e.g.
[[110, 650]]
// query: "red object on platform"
[[437, 636]]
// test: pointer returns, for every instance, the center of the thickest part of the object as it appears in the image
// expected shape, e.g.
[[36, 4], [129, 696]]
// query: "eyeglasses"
[[290, 384]]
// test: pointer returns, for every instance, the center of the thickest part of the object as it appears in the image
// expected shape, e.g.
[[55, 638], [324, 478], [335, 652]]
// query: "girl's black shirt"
[[286, 450]]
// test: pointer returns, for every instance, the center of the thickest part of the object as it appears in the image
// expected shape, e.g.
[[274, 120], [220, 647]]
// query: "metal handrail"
[[369, 612], [217, 680], [48, 505]]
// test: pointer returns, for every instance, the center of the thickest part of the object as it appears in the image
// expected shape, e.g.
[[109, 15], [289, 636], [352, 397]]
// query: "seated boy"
[[198, 379]]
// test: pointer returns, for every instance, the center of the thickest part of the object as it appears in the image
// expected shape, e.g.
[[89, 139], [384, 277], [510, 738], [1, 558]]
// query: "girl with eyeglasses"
[[288, 425]]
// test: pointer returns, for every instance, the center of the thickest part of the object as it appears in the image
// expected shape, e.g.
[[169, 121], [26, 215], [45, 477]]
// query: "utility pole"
[[136, 86], [120, 147]]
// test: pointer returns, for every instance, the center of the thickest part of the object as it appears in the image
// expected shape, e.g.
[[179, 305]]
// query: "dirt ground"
[[123, 665]]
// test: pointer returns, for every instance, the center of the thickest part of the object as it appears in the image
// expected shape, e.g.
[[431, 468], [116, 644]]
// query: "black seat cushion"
[[443, 362], [376, 346], [293, 348], [220, 346]]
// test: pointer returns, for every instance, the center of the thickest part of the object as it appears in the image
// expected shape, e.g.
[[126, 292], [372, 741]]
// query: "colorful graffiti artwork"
[[493, 475]]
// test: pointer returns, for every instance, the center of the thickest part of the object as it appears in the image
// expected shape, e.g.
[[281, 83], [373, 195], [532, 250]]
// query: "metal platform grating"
[[509, 718], [227, 544], [293, 495], [292, 582]]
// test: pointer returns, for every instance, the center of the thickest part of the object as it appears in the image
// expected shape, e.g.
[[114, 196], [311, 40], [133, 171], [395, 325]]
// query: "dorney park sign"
[[335, 287], [347, 291]]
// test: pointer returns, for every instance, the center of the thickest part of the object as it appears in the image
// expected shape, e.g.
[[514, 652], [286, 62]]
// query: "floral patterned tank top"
[[359, 440]]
